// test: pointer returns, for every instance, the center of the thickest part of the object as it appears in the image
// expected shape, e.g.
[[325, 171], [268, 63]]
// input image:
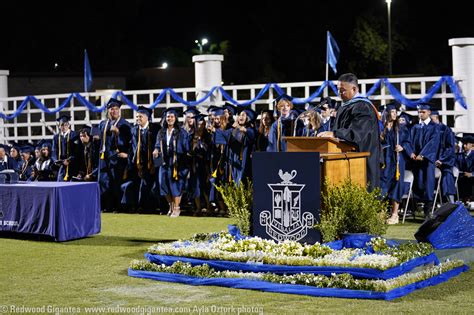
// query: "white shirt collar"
[[426, 121], [144, 127]]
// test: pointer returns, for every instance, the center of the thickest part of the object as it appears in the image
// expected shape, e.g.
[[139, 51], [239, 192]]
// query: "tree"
[[370, 47], [222, 48]]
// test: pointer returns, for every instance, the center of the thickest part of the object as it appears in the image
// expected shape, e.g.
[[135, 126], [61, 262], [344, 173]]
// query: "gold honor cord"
[[278, 134], [66, 177], [397, 171], [104, 137], [175, 159]]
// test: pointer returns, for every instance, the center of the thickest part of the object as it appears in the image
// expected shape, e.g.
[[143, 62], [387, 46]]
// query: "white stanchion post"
[[3, 104], [207, 74], [463, 71]]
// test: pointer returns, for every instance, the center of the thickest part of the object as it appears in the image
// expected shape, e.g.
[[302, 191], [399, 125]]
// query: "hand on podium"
[[326, 134]]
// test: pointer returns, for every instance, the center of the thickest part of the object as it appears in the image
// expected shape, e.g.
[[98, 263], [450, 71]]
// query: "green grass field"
[[92, 272]]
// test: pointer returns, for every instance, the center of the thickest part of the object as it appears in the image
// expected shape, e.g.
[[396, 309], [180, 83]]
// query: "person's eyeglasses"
[[324, 108]]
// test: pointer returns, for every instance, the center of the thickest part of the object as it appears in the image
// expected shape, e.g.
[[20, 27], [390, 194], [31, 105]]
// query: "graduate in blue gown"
[[263, 130], [137, 190], [326, 109], [312, 122], [424, 138], [357, 122], [25, 167], [189, 125], [6, 162], [87, 156], [64, 150], [199, 171], [43, 167], [115, 136], [15, 155], [446, 158], [240, 140], [171, 147], [465, 164], [284, 126], [230, 110], [219, 158], [396, 140], [406, 120]]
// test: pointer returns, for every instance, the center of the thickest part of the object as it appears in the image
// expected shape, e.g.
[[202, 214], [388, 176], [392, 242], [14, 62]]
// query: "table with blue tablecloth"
[[62, 210]]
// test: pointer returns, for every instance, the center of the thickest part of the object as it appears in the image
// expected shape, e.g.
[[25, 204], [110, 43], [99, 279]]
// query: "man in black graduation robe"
[[357, 122]]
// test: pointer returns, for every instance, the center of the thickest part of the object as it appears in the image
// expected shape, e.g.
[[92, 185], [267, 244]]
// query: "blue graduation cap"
[[467, 138], [177, 111], [284, 97], [434, 113], [63, 119], [200, 117], [251, 114], [424, 106], [4, 146], [216, 111], [231, 108], [27, 149], [392, 105], [192, 110], [46, 144], [15, 146], [327, 100], [145, 111], [408, 118], [114, 103]]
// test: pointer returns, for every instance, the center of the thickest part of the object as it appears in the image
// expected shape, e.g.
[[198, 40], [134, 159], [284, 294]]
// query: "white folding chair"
[[438, 176], [456, 176], [408, 178]]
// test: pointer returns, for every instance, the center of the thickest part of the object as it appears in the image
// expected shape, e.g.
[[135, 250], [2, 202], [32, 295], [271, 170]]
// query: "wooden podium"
[[339, 161]]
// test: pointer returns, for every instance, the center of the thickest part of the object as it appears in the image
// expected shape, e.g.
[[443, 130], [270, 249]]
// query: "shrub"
[[239, 199], [350, 208]]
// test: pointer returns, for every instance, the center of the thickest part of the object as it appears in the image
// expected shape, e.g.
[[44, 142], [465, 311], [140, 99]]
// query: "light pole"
[[201, 43], [389, 2]]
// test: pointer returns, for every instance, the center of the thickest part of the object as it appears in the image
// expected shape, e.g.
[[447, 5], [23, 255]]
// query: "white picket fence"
[[34, 124]]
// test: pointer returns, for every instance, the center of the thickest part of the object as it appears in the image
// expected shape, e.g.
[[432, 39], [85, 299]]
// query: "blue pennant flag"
[[87, 73], [332, 53]]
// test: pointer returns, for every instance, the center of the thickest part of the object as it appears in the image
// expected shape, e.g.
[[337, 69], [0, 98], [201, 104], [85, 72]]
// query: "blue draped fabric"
[[260, 285], [456, 231], [120, 95], [368, 273], [64, 211]]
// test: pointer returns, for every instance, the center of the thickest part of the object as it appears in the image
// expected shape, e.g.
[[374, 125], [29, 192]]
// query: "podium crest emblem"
[[286, 221]]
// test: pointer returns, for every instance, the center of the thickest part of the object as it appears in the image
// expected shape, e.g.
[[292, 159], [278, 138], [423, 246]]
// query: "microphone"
[[296, 121]]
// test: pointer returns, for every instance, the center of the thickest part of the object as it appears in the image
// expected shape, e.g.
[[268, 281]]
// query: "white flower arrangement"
[[257, 250], [345, 281]]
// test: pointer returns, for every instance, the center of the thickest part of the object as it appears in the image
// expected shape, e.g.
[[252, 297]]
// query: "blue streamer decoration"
[[240, 283], [120, 95]]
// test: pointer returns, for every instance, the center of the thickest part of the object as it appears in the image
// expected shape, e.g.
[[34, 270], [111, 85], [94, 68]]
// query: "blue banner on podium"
[[286, 196]]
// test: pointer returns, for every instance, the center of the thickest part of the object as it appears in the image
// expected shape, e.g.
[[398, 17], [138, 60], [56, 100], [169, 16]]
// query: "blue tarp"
[[367, 273], [239, 283], [456, 231]]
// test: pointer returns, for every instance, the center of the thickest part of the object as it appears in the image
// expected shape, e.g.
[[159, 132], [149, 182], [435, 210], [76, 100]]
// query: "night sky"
[[268, 41]]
